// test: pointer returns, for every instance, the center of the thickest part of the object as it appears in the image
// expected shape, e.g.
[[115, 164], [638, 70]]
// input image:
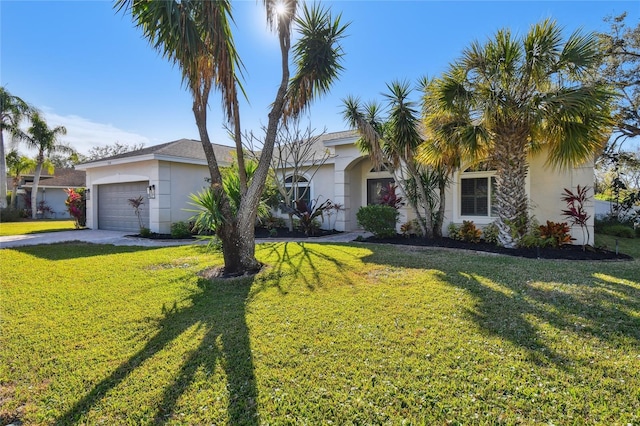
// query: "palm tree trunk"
[[3, 174], [512, 203], [34, 187], [14, 197]]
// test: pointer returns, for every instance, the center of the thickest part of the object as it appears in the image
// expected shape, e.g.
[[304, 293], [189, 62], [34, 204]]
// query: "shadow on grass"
[[78, 250], [219, 307], [296, 258], [510, 291]]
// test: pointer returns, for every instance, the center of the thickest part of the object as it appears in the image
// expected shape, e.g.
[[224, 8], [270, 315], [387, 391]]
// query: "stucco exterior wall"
[[547, 187], [118, 173], [176, 181], [544, 186]]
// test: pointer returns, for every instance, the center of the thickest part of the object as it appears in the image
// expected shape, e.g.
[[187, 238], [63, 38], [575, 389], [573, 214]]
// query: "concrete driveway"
[[118, 238]]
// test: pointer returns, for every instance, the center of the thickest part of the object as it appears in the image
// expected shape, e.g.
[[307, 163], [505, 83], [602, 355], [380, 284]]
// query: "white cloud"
[[84, 134]]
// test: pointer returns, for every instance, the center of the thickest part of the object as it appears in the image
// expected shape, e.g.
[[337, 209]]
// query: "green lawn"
[[630, 246], [341, 334], [35, 226]]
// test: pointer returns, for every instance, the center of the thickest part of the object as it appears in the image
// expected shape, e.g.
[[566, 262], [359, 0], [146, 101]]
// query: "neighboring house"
[[51, 191], [348, 178]]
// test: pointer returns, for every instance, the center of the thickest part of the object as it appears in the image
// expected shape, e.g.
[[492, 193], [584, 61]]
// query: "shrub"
[[619, 230], [411, 228], [555, 234], [378, 219], [490, 233], [454, 231], [145, 232], [10, 215], [180, 230], [77, 206], [469, 232], [576, 212], [388, 196]]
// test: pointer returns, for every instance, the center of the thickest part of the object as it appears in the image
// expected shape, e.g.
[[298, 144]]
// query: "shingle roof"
[[64, 178], [182, 148]]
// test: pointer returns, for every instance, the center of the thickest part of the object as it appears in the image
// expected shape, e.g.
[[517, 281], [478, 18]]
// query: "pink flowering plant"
[[77, 206]]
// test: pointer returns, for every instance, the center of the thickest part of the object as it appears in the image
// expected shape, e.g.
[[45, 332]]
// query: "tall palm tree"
[[510, 98], [45, 141], [392, 143], [12, 111], [196, 35], [18, 164]]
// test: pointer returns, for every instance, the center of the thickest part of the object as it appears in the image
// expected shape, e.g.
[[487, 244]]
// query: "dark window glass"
[[474, 197], [374, 189]]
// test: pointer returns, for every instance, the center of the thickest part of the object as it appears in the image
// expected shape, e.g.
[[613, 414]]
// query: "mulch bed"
[[565, 252]]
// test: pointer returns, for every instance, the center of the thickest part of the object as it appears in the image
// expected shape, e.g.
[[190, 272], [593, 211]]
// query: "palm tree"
[[12, 111], [18, 164], [196, 36], [393, 143], [510, 98], [44, 140]]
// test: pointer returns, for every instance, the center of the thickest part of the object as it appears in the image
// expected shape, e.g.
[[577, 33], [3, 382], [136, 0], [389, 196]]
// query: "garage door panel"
[[114, 211]]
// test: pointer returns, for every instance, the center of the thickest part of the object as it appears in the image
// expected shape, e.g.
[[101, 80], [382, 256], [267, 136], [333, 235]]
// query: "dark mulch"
[[565, 252], [297, 234], [259, 233]]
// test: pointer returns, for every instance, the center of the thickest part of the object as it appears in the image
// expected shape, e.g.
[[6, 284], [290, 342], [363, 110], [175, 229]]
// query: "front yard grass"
[[342, 334], [24, 227], [630, 246]]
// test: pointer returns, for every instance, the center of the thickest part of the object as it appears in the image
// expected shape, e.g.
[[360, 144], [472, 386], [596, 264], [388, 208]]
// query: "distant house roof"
[[62, 178], [183, 150]]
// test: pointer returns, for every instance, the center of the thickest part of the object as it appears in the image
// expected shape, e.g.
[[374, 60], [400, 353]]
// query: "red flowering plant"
[[77, 206]]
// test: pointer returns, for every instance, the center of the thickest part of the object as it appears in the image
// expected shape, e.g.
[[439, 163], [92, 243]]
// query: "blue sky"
[[89, 69]]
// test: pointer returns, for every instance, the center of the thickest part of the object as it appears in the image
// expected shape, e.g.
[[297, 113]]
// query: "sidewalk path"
[[118, 238]]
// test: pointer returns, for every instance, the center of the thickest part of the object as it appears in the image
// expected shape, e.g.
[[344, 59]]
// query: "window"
[[298, 187], [374, 189], [477, 194]]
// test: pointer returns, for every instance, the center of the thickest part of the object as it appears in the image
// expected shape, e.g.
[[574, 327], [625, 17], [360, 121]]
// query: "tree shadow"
[[219, 308], [510, 293], [77, 250], [295, 258]]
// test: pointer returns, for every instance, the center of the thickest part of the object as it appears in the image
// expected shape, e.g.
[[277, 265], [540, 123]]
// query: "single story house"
[[172, 171], [51, 191]]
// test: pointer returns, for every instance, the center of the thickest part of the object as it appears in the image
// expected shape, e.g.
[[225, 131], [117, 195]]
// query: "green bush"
[[454, 231], [145, 232], [490, 233], [180, 230], [378, 219], [618, 230], [10, 215], [469, 232], [555, 234]]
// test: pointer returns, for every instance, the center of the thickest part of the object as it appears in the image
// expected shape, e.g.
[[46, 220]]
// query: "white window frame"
[[289, 185], [457, 199]]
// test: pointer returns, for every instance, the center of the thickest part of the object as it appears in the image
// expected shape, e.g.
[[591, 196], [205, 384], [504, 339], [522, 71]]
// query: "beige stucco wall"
[[547, 187], [173, 181], [176, 182], [117, 173], [544, 186]]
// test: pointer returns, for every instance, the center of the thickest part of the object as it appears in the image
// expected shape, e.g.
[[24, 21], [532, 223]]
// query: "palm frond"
[[318, 58]]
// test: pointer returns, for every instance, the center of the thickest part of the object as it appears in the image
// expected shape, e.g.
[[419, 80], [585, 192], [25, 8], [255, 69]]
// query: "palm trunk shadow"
[[220, 307]]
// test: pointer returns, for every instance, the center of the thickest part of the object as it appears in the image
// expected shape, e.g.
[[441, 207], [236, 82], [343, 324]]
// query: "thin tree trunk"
[[34, 187], [3, 173]]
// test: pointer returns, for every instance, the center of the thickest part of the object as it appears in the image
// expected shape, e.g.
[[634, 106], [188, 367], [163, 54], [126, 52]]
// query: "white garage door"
[[114, 211]]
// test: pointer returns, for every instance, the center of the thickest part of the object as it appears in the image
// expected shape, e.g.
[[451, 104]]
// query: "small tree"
[[137, 204], [576, 212], [297, 153]]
